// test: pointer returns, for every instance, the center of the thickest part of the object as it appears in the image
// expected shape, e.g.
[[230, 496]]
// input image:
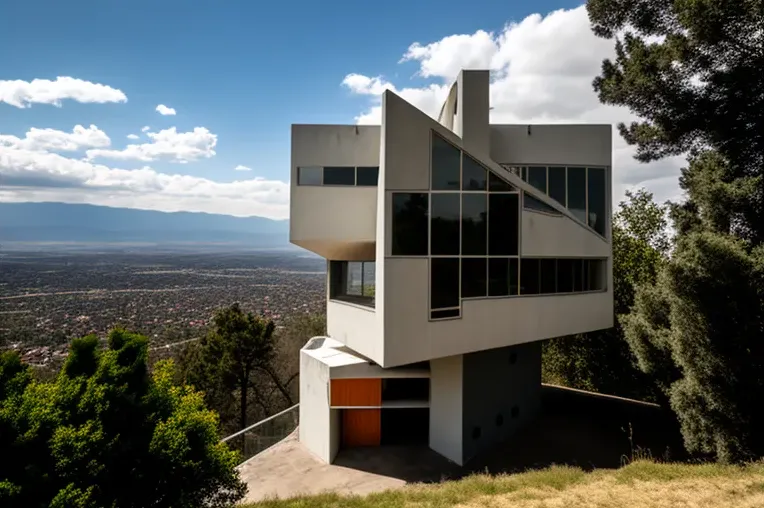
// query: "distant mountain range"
[[60, 222]]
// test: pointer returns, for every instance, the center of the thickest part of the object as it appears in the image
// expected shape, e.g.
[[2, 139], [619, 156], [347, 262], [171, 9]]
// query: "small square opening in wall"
[[310, 175], [367, 176]]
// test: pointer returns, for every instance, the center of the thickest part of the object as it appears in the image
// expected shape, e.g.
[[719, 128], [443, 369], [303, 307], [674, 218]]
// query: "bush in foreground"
[[106, 433]]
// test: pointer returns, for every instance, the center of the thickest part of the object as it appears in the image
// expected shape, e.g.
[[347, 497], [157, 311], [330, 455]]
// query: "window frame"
[[338, 281]]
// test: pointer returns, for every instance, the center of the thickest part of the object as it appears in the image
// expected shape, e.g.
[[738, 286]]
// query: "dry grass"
[[642, 484]]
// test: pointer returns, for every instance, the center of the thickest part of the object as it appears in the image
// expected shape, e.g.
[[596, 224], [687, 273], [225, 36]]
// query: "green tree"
[[693, 71], [105, 433], [602, 361]]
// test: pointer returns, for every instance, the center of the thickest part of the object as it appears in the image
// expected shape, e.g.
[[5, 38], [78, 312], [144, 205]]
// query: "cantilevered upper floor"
[[453, 236]]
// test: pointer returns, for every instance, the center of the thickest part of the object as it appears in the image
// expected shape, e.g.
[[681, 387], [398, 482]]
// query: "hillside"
[[641, 484], [60, 222]]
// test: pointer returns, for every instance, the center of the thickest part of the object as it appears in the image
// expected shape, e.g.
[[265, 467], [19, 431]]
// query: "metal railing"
[[260, 436]]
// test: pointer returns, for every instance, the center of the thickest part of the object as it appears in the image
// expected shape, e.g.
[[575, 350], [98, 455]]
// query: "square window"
[[446, 164], [537, 177], [339, 176], [529, 276], [474, 224], [310, 176], [498, 184], [444, 283], [474, 273], [367, 176], [473, 174], [410, 225], [503, 224], [502, 277], [444, 222]]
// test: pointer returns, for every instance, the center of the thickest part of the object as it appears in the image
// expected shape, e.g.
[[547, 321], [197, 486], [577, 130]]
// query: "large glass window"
[[474, 224], [474, 272], [502, 277], [529, 276], [446, 165], [557, 179], [410, 226], [444, 220], [444, 283], [339, 176], [352, 281], [577, 192], [310, 176], [497, 184], [531, 203], [565, 275], [474, 175], [537, 177], [503, 224], [367, 176], [596, 186], [548, 272]]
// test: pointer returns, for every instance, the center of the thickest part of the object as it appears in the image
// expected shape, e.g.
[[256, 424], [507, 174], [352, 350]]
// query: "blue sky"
[[244, 71]]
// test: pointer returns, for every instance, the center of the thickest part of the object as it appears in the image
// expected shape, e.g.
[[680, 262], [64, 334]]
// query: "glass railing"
[[262, 435]]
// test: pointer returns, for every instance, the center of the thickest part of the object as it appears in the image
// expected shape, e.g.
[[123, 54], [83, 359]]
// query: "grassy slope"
[[642, 484]]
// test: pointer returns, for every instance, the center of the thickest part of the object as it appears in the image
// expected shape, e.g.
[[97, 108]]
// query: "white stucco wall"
[[552, 144], [446, 407], [358, 327], [485, 323], [315, 429], [549, 236], [334, 222]]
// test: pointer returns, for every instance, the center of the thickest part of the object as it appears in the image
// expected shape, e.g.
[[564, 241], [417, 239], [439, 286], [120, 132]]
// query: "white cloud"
[[242, 168], [542, 72], [53, 140], [145, 128], [43, 176], [23, 94], [133, 136], [164, 110], [168, 144]]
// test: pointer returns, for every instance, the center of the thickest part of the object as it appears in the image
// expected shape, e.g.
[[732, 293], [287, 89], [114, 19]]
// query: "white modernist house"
[[453, 247]]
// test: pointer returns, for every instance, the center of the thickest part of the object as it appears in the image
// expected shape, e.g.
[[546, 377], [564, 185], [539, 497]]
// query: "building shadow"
[[575, 428]]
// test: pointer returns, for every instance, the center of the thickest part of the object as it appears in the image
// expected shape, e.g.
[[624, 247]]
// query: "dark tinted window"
[[502, 276], [444, 282], [339, 176], [445, 164], [537, 177], [474, 272], [557, 185], [473, 174], [565, 275], [444, 220], [531, 203], [529, 276], [443, 314], [503, 224], [596, 183], [496, 184], [548, 270], [367, 176], [474, 227], [578, 275], [409, 224], [309, 176], [577, 192]]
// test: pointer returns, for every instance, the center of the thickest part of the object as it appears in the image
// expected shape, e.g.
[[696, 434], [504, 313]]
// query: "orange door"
[[356, 392], [361, 427]]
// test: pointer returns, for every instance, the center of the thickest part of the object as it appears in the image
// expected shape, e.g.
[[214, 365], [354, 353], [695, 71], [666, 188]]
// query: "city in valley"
[[49, 296]]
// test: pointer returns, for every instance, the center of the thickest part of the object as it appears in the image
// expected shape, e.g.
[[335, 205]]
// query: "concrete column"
[[446, 407], [472, 107]]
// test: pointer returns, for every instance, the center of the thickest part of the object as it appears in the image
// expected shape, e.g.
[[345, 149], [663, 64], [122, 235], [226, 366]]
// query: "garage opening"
[[405, 426]]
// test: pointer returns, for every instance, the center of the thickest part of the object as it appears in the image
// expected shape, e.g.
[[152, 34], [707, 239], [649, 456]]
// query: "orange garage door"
[[357, 392], [361, 427]]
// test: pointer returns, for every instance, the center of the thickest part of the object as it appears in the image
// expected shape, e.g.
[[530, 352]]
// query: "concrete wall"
[[552, 144], [446, 407], [559, 236], [472, 112], [492, 386], [316, 431], [334, 222], [356, 326]]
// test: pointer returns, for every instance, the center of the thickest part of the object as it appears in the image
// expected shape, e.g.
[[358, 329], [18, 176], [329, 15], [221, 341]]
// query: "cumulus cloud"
[[542, 71], [45, 176], [167, 144], [53, 140], [164, 110], [133, 136], [145, 128], [22, 94], [242, 168]]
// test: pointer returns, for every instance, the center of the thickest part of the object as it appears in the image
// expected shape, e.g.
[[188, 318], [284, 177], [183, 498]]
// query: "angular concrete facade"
[[453, 248]]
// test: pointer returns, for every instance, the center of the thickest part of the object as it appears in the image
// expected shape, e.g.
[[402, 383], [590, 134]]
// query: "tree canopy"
[[106, 433]]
